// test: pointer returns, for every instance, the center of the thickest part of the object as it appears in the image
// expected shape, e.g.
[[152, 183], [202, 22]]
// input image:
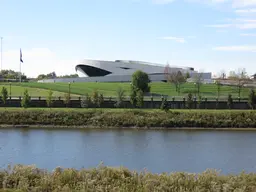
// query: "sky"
[[54, 35]]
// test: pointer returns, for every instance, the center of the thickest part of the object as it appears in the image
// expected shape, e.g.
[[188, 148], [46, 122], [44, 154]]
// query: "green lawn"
[[109, 89], [17, 91]]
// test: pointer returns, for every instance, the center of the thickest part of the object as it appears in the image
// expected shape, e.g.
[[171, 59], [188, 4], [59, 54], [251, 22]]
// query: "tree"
[[198, 82], [218, 84], [189, 100], [133, 96], [66, 99], [177, 79], [100, 100], [252, 99], [140, 81], [140, 98], [49, 100], [4, 95], [25, 100], [230, 101], [86, 101], [120, 97], [164, 105]]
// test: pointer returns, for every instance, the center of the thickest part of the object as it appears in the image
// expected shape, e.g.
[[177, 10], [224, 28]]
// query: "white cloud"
[[177, 39], [37, 61], [241, 48], [245, 11], [248, 34]]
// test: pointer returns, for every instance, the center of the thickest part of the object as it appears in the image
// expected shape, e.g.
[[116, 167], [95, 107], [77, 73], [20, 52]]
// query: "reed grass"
[[31, 178]]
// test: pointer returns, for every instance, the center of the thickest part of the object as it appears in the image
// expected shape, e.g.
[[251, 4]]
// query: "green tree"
[[198, 83], [164, 105], [25, 102], [49, 99], [140, 81], [189, 101], [133, 96], [230, 101], [140, 98], [120, 97], [252, 99], [4, 95], [218, 84], [66, 99], [100, 100], [177, 79]]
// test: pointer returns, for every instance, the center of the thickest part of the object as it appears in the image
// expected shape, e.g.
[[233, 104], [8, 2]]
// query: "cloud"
[[245, 11], [237, 23], [241, 48], [177, 39], [248, 34], [162, 1], [37, 61]]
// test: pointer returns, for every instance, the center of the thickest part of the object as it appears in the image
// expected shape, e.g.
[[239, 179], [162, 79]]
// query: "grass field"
[[110, 89], [17, 91]]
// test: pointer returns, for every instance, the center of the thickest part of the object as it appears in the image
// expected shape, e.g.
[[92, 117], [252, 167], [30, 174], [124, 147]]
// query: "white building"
[[122, 70]]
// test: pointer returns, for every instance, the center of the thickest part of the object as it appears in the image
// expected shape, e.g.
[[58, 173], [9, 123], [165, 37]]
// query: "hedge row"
[[30, 178], [130, 118]]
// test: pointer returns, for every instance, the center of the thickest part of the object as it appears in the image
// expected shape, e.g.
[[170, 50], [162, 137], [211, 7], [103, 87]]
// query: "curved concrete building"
[[97, 68], [122, 70]]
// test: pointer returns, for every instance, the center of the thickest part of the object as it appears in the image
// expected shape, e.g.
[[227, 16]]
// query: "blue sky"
[[210, 35]]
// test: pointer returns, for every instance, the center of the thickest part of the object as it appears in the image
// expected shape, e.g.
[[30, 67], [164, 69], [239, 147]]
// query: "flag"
[[21, 56]]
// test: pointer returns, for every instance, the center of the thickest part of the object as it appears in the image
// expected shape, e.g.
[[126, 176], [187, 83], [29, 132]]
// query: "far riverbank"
[[123, 118]]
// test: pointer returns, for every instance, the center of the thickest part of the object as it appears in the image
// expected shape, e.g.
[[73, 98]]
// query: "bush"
[[25, 100], [4, 95], [66, 99], [97, 99]]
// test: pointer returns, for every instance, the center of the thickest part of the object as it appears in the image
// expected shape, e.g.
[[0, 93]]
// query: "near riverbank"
[[30, 178], [123, 118]]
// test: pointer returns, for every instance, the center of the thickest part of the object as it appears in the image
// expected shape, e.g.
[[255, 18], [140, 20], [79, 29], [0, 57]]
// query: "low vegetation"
[[30, 178], [120, 118]]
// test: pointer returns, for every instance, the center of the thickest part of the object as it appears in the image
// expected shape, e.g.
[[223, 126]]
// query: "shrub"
[[25, 100], [133, 96], [4, 95], [97, 99]]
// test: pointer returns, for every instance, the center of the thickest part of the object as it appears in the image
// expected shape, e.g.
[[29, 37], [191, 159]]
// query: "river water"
[[154, 150]]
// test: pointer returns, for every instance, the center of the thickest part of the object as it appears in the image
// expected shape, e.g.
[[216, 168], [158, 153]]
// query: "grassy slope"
[[17, 91], [109, 89]]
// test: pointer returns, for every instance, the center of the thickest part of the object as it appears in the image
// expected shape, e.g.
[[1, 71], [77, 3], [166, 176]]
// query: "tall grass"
[[30, 178]]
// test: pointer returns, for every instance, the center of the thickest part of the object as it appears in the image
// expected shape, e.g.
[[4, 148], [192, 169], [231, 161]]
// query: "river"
[[154, 150]]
